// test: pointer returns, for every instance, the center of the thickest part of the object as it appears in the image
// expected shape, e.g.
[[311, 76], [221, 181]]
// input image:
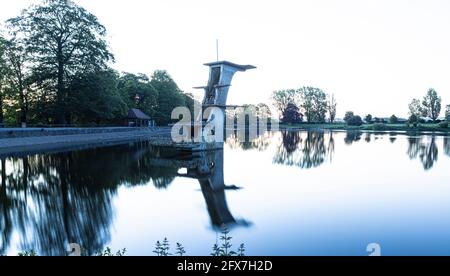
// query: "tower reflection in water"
[[50, 200], [208, 168]]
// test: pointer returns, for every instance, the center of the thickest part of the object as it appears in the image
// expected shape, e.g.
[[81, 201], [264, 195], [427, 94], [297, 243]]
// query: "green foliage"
[[292, 115], [18, 76], [162, 249], [137, 92], [180, 250], [414, 120], [332, 109], [355, 121], [379, 127], [443, 124], [348, 116], [216, 251], [169, 96], [109, 253], [60, 49], [368, 119], [4, 73], [282, 98], [225, 247], [314, 102], [393, 119], [241, 250], [94, 98], [415, 108], [432, 104], [31, 253]]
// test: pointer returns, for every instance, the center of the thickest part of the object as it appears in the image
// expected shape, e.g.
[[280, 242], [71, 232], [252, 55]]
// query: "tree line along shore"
[[56, 70]]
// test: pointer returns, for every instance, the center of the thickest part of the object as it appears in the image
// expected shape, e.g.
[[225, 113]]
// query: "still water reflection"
[[285, 193]]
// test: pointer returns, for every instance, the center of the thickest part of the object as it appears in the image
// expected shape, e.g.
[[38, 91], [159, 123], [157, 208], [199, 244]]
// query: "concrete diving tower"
[[221, 74]]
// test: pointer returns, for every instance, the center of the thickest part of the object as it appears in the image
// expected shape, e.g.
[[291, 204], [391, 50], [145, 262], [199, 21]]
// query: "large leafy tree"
[[63, 39], [18, 76], [415, 108], [314, 103], [432, 104], [95, 99], [332, 108], [4, 72], [137, 92], [282, 98], [169, 96], [292, 115]]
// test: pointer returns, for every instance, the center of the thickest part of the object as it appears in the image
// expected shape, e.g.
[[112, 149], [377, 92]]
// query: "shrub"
[[443, 124], [369, 119], [348, 116], [393, 119], [355, 121], [379, 126], [414, 120]]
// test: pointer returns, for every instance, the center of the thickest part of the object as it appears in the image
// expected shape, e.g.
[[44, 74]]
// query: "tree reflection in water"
[[352, 136], [305, 150], [447, 145], [427, 151], [261, 143], [52, 200]]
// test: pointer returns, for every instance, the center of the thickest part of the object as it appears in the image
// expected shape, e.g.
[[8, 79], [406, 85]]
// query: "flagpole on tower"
[[217, 49]]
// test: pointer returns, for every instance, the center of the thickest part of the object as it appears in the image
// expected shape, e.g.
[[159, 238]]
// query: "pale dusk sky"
[[374, 55]]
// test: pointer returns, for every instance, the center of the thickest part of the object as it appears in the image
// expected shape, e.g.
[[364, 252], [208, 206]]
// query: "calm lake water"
[[287, 193]]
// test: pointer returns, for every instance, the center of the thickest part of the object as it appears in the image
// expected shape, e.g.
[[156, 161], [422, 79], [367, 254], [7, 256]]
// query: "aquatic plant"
[[162, 249], [31, 253], [180, 250], [109, 253], [225, 248]]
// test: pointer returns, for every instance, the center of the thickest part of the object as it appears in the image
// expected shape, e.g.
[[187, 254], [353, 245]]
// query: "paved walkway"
[[17, 146]]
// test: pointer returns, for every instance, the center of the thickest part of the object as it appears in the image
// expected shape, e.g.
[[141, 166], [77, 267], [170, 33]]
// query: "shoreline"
[[76, 139], [422, 128], [21, 142]]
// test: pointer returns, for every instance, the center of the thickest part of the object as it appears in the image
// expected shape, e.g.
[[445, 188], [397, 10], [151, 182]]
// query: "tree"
[[292, 115], [332, 108], [393, 119], [447, 113], [282, 98], [415, 108], [169, 96], [355, 121], [190, 103], [93, 97], [4, 72], [348, 115], [137, 92], [414, 120], [63, 39], [19, 74], [432, 104], [369, 119], [314, 103]]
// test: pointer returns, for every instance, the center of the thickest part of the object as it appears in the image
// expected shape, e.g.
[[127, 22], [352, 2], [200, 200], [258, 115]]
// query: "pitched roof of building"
[[135, 113]]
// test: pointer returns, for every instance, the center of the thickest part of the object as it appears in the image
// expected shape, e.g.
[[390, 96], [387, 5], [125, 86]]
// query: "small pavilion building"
[[137, 118]]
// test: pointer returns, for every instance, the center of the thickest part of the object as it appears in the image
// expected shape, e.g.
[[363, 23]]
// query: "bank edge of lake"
[[423, 128], [29, 141]]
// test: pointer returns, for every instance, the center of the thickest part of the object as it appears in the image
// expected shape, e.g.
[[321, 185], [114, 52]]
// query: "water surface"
[[286, 193]]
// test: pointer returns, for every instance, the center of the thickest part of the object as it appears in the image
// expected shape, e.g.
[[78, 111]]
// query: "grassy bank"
[[366, 127]]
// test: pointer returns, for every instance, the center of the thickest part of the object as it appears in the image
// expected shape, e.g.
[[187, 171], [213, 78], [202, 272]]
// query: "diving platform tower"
[[221, 74], [214, 102]]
